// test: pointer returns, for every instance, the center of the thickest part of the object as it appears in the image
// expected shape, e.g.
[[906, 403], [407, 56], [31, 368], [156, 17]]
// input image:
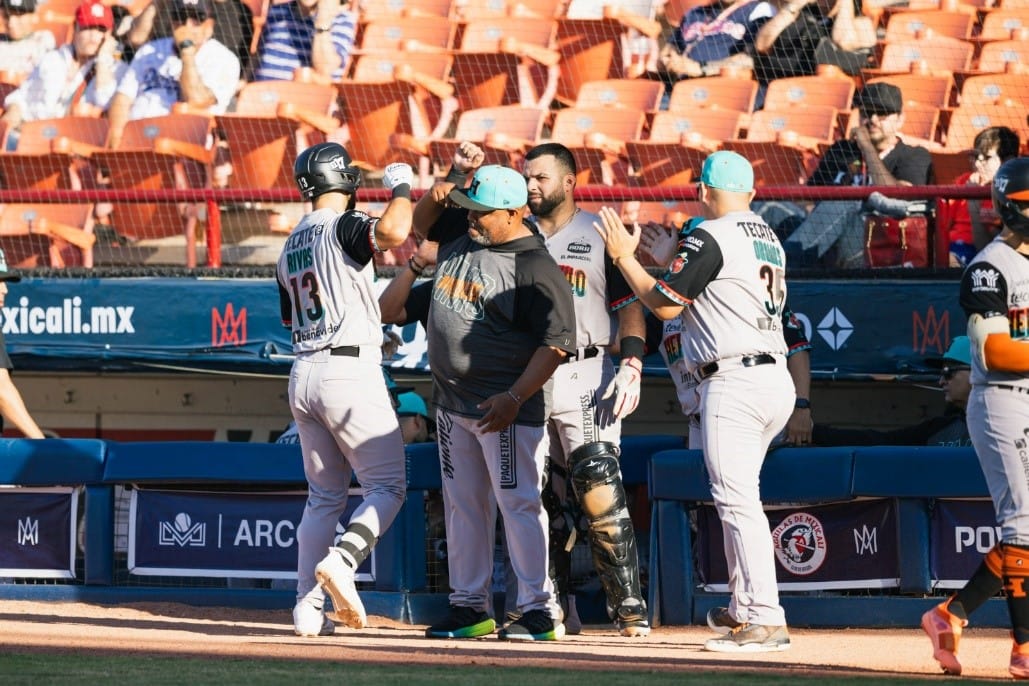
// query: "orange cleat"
[[1019, 666], [944, 630]]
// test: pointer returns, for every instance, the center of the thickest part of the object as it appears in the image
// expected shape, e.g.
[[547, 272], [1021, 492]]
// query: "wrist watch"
[[802, 404], [186, 44]]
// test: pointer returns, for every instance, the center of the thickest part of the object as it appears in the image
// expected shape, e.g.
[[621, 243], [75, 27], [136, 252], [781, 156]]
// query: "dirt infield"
[[170, 629]]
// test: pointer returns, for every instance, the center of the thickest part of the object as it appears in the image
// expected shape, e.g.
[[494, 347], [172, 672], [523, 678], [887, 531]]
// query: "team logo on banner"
[[800, 543], [182, 531]]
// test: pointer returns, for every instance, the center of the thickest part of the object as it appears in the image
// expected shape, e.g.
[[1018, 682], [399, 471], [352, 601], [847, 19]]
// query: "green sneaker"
[[534, 625], [464, 622]]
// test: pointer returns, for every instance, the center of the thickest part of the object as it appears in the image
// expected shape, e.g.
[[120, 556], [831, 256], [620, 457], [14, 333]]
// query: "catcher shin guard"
[[562, 533], [1016, 586], [597, 483]]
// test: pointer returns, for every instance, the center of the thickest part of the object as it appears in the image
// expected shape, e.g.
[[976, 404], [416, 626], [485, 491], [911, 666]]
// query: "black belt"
[[586, 354], [1008, 387], [746, 361], [346, 351]]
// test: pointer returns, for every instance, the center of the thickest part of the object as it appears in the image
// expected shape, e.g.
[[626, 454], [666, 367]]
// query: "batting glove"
[[625, 388], [397, 174]]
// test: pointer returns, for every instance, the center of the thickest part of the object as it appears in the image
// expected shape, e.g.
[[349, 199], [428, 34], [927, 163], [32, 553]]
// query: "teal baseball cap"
[[727, 171], [960, 352], [410, 404], [493, 188]]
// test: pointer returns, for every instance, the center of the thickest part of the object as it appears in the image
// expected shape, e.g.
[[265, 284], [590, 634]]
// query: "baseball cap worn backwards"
[[493, 188], [6, 274], [727, 171], [93, 14], [960, 352], [879, 98]]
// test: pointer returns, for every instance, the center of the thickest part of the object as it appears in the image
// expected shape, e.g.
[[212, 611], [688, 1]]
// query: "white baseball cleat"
[[337, 578], [309, 620]]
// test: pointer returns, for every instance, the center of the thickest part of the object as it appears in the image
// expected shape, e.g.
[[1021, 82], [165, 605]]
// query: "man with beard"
[[590, 399]]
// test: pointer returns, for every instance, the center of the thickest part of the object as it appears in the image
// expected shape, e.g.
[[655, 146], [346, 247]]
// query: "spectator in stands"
[[306, 33], [12, 407], [22, 46], [74, 79], [806, 33], [233, 26], [948, 429], [415, 424], [971, 224], [189, 66], [872, 155], [714, 36]]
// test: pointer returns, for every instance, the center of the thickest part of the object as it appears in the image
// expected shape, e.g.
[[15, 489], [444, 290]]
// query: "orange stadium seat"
[[159, 153], [399, 34], [926, 89], [921, 124], [933, 54], [271, 122], [949, 164], [966, 122], [371, 10], [917, 23], [815, 123], [1003, 55], [470, 10], [995, 89], [640, 94], [47, 235], [506, 61], [726, 92], [822, 90], [678, 143], [784, 146], [504, 133], [597, 137], [1002, 24], [51, 153]]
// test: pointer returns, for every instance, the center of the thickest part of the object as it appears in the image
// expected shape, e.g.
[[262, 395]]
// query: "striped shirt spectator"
[[288, 40]]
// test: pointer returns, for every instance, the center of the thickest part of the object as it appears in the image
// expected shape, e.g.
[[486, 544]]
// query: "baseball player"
[[590, 399], [337, 392], [729, 288], [995, 296]]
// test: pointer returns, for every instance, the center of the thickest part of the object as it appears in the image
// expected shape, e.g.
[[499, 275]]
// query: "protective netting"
[[214, 186]]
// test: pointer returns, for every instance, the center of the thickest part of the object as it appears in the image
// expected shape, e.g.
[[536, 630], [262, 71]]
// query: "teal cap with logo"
[[410, 404], [493, 188], [727, 171], [5, 272]]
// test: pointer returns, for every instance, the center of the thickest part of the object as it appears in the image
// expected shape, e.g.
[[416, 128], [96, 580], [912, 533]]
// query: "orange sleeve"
[[1002, 354]]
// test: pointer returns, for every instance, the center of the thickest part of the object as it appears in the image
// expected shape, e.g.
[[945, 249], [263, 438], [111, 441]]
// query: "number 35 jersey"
[[325, 276], [730, 277]]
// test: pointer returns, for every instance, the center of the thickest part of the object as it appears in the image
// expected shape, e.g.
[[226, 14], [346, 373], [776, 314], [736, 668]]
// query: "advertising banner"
[[819, 547], [222, 534], [37, 532], [961, 532]]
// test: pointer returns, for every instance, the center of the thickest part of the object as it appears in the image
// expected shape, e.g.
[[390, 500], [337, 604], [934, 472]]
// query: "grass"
[[40, 668]]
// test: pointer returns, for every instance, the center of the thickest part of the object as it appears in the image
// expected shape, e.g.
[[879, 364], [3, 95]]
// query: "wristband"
[[318, 30], [456, 177], [514, 397], [402, 191], [419, 270], [802, 404], [632, 346]]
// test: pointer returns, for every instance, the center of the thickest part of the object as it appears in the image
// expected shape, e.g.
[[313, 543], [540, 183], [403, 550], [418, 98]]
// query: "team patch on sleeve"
[[984, 279]]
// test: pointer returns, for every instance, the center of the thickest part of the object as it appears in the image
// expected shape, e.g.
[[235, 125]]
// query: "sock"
[[984, 584], [1016, 583]]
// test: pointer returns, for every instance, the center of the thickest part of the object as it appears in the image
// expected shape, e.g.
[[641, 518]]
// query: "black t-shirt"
[[793, 53], [843, 165]]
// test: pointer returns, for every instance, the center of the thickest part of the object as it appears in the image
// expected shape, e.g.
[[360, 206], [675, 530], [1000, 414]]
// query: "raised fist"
[[468, 156], [397, 174]]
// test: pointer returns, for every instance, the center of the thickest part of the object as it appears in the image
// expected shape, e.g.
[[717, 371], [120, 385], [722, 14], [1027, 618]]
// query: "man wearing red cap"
[[75, 79]]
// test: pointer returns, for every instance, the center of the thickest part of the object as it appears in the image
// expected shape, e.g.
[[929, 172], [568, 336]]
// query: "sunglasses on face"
[[949, 372]]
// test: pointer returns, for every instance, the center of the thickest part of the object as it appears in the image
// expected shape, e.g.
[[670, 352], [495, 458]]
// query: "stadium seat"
[[934, 54], [995, 89], [678, 143], [966, 122], [1002, 24], [785, 146], [471, 10], [921, 124], [822, 90], [1003, 56], [160, 153], [47, 235], [597, 137], [927, 89], [504, 133], [51, 151], [810, 125], [506, 61], [272, 121], [373, 10], [726, 92], [640, 94], [406, 34], [916, 23], [675, 10], [950, 164], [591, 49]]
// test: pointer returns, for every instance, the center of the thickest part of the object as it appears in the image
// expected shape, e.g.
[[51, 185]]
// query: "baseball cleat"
[[631, 618], [337, 578], [720, 621], [534, 625], [944, 630], [751, 638], [1019, 667], [463, 622], [309, 620]]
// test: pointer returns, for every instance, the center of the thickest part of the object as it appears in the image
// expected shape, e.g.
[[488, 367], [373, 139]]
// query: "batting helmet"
[[1011, 194], [325, 168]]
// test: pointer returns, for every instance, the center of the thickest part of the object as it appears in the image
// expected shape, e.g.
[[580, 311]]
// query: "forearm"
[[12, 407], [773, 28], [799, 366], [643, 285], [194, 91], [325, 60], [142, 25], [117, 115], [540, 368], [426, 211], [876, 170], [631, 324], [394, 297]]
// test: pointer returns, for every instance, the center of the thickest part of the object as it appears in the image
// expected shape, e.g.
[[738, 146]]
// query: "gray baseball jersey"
[[734, 306], [996, 284], [325, 282]]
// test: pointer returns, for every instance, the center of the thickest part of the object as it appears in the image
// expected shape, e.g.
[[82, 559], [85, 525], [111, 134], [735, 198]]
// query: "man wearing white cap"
[[728, 286]]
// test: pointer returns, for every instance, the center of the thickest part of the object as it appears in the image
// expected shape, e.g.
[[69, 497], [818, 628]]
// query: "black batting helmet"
[[1010, 194], [325, 168]]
